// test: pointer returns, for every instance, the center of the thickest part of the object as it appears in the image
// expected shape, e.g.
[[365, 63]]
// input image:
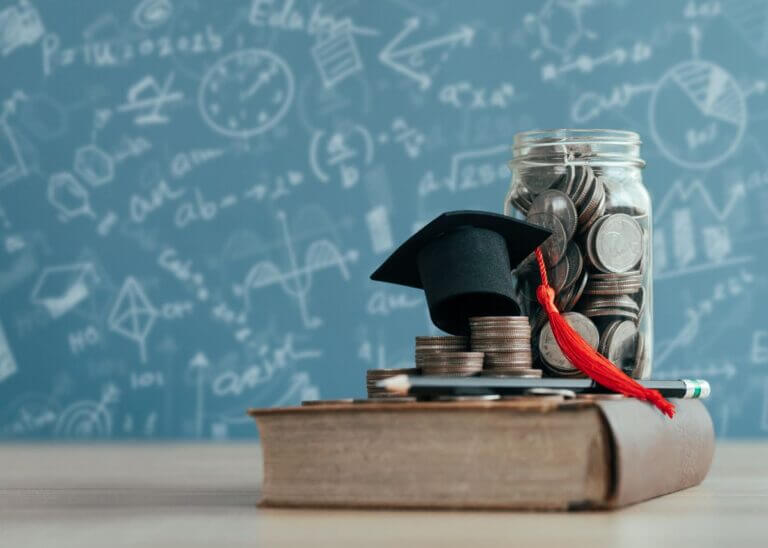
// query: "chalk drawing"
[[297, 280], [88, 419], [147, 98], [8, 364], [20, 25], [712, 100], [336, 55], [149, 14], [246, 93], [94, 165], [748, 18], [133, 315], [12, 165], [346, 151], [70, 198], [562, 42], [421, 61], [61, 288], [379, 229]]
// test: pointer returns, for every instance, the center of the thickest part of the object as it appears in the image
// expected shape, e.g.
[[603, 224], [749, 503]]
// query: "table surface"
[[206, 495]]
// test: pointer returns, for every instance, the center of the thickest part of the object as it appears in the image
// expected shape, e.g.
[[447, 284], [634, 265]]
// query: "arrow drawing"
[[410, 60]]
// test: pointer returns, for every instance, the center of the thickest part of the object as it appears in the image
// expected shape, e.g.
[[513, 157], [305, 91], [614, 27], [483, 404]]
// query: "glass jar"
[[587, 187]]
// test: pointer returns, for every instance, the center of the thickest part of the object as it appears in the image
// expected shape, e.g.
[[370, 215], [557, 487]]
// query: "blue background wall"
[[193, 194]]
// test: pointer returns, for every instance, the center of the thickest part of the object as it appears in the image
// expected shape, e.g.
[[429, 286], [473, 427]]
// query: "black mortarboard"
[[463, 261]]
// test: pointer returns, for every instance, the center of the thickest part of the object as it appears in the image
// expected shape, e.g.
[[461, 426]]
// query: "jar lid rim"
[[576, 136]]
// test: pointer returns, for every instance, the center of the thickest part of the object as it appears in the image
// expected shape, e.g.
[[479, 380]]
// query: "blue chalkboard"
[[194, 193]]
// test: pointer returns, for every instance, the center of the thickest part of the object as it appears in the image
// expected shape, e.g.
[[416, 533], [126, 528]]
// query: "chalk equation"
[[193, 198]]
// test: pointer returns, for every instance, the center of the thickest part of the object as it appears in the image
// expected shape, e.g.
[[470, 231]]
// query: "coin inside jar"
[[618, 243], [557, 203], [554, 246], [550, 350]]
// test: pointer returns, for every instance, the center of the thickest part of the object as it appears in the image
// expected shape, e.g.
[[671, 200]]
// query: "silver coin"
[[575, 263], [537, 179], [549, 349], [581, 180], [598, 213], [554, 246], [621, 350], [556, 203], [619, 243], [642, 364], [578, 291], [441, 339], [493, 320], [591, 201], [590, 243]]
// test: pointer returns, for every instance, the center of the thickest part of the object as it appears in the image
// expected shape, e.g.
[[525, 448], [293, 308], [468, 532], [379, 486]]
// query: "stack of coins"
[[506, 343], [595, 258], [441, 343], [372, 376], [451, 364]]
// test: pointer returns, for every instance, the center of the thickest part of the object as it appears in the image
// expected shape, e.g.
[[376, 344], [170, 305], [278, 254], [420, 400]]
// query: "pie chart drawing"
[[698, 114]]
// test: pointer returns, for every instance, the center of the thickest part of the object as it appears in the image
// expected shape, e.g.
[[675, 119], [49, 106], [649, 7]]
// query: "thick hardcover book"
[[518, 454]]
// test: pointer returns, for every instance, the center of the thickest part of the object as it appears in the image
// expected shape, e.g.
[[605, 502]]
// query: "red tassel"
[[588, 360]]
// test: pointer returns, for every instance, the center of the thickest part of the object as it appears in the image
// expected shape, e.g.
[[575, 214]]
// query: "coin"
[[642, 364], [591, 201], [549, 349], [554, 246], [450, 363], [558, 204], [621, 305], [538, 178], [575, 263], [578, 291], [622, 346], [599, 211], [618, 243]]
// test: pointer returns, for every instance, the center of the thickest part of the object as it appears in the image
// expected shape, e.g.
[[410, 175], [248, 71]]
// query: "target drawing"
[[87, 419]]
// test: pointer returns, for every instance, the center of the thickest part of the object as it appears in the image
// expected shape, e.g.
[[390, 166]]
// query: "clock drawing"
[[246, 93]]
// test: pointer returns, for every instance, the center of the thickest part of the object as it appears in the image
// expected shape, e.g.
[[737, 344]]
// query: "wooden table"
[[205, 495]]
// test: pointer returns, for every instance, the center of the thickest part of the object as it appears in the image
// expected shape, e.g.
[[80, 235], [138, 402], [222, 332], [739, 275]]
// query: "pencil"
[[475, 386]]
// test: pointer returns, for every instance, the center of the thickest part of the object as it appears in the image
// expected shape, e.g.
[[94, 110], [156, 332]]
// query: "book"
[[524, 454]]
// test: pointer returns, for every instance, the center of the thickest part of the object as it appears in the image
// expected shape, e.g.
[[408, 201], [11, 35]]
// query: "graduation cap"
[[463, 261]]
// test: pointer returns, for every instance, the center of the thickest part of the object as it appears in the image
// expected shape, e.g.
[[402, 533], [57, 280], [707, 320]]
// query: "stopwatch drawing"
[[246, 92]]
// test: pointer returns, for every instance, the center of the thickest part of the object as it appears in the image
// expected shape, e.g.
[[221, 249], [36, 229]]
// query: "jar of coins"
[[586, 186]]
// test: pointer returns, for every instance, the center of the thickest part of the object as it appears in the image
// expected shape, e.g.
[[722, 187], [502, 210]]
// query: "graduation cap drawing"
[[61, 288], [463, 261]]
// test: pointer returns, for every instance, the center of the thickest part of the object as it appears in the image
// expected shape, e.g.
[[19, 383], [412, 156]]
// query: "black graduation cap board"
[[463, 261]]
